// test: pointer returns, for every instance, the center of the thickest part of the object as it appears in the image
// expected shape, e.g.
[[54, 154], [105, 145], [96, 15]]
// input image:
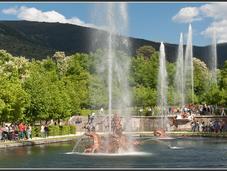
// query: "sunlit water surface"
[[191, 152]]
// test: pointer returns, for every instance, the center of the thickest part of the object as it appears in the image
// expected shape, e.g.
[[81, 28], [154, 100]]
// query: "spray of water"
[[162, 86], [114, 63], [118, 63], [214, 58], [179, 77], [188, 65]]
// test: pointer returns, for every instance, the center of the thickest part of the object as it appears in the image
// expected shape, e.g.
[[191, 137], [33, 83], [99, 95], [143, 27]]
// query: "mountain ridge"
[[38, 40]]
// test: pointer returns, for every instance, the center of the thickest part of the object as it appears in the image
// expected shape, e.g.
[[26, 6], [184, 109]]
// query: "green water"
[[191, 152]]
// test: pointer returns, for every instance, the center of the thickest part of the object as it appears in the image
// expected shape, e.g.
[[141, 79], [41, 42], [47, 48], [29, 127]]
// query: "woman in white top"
[[42, 131]]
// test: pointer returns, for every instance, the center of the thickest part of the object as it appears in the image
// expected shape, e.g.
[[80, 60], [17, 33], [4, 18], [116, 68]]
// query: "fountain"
[[162, 92], [188, 66], [179, 77], [116, 65], [214, 58]]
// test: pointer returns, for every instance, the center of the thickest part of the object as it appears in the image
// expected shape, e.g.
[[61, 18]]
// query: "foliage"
[[145, 51], [201, 77], [144, 96], [214, 95], [13, 100], [62, 86], [54, 130], [144, 72]]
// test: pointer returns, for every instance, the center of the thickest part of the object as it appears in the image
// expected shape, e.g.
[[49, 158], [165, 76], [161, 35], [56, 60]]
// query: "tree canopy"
[[60, 86]]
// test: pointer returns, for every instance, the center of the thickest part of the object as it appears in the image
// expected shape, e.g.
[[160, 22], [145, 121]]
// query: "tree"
[[144, 71], [144, 96], [145, 51], [58, 56], [171, 69], [213, 95], [13, 100], [223, 81], [223, 85], [201, 78], [37, 86], [77, 73]]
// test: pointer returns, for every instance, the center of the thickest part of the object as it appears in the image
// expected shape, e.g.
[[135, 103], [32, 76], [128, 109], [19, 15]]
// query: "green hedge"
[[61, 130], [36, 131], [86, 112], [55, 130]]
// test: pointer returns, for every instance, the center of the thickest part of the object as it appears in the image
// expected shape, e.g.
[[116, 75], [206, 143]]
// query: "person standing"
[[101, 110], [29, 132], [193, 126], [25, 131], [46, 130], [223, 111], [42, 131], [1, 132], [21, 130]]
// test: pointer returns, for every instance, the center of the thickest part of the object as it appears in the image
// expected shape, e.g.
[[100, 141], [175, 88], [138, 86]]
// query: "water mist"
[[188, 72], [162, 86], [179, 77]]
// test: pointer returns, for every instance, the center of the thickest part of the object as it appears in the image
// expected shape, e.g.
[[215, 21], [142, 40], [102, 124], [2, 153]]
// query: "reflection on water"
[[188, 152], [134, 153]]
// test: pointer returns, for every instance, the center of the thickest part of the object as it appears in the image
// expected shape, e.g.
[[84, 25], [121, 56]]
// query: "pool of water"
[[190, 152]]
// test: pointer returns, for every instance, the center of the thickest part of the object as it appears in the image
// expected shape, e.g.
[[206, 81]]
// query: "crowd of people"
[[190, 110], [21, 131], [186, 111], [202, 109], [15, 131], [210, 126]]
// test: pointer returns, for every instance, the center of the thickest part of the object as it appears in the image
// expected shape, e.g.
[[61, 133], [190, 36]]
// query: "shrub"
[[36, 131], [72, 129], [55, 130]]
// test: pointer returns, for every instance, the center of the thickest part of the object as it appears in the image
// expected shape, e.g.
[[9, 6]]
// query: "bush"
[[72, 129], [36, 131], [86, 112], [55, 130], [61, 130], [64, 130]]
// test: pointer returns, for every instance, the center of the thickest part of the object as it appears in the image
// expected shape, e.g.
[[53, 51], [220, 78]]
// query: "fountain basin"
[[192, 152]]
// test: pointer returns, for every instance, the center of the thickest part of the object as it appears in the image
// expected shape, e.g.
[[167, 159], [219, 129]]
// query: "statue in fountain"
[[119, 140], [112, 143], [159, 132], [95, 147], [90, 132]]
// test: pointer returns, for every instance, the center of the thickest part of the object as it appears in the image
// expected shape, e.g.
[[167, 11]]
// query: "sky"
[[152, 21]]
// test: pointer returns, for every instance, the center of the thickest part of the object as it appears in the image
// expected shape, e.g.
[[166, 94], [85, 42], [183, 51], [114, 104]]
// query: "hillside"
[[39, 40]]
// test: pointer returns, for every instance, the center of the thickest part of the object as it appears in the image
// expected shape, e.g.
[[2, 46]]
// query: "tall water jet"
[[188, 65], [118, 63], [110, 61], [179, 77], [162, 86], [214, 58], [113, 66]]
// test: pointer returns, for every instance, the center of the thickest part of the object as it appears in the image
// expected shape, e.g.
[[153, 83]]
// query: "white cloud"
[[220, 28], [187, 15], [215, 11], [34, 14], [12, 11]]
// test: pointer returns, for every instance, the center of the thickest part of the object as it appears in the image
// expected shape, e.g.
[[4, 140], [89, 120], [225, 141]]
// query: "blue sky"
[[148, 20]]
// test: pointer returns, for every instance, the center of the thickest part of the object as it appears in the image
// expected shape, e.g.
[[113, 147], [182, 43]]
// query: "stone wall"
[[149, 123]]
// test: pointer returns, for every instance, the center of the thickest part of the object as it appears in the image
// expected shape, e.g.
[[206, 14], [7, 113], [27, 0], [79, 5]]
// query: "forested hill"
[[40, 39]]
